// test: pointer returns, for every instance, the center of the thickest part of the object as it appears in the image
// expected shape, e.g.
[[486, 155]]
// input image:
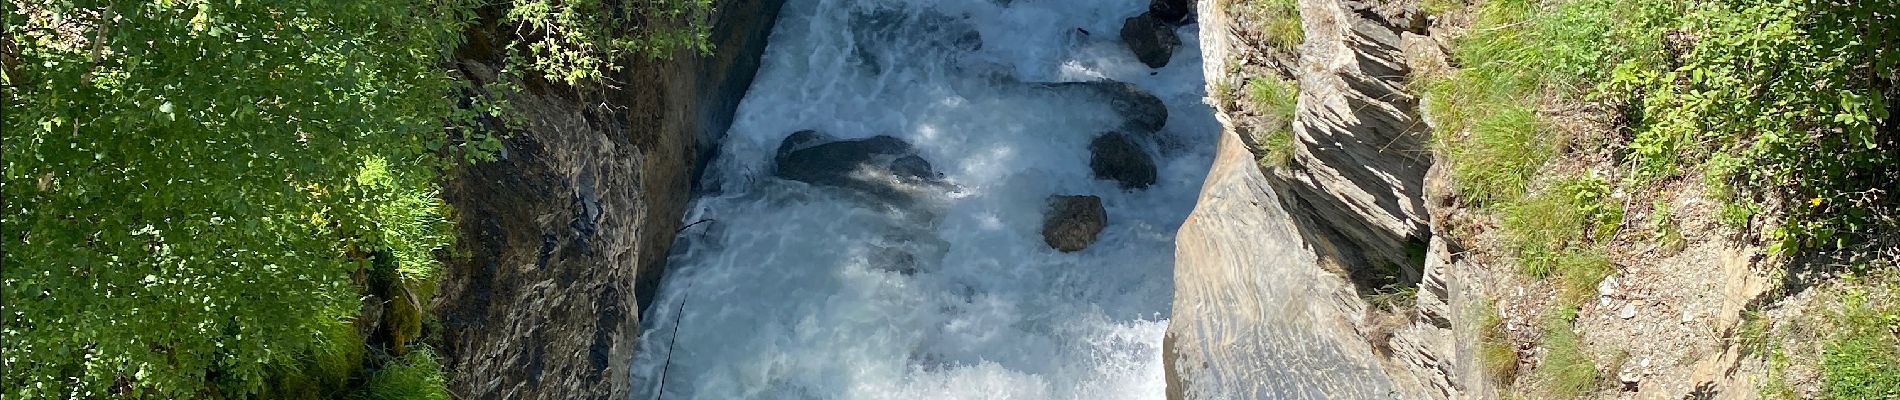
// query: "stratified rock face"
[[1355, 181], [884, 167], [1115, 156], [1151, 39], [1142, 111], [1255, 317], [1072, 222], [566, 232]]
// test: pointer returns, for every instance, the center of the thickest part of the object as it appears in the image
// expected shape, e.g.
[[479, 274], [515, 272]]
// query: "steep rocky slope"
[[564, 235]]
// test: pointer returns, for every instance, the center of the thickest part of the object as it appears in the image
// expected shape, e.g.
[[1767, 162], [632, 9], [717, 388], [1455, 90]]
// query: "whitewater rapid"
[[784, 290]]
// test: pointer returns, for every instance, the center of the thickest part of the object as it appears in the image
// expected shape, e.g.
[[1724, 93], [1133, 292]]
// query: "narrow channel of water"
[[790, 290]]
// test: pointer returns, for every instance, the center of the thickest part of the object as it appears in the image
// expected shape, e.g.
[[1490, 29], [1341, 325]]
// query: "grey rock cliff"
[[1270, 265], [563, 237], [1356, 178]]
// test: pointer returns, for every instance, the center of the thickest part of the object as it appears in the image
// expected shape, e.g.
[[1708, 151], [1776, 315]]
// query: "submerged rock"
[[1072, 222], [1144, 112], [1116, 157], [1151, 39], [884, 167]]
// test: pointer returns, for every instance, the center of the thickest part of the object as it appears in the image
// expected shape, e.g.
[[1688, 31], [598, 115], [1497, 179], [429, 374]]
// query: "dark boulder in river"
[[884, 167], [1143, 111], [1176, 12], [1151, 39], [1115, 156], [1072, 222]]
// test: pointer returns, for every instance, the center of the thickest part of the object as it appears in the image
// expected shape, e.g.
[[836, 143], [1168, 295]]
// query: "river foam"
[[788, 291]]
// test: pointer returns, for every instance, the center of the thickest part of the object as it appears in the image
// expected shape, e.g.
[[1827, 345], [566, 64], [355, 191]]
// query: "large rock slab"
[[1255, 316], [1355, 180]]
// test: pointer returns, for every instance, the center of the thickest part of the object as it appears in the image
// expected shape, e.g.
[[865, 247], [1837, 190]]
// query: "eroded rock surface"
[[1356, 177], [566, 233], [1072, 222], [1255, 317]]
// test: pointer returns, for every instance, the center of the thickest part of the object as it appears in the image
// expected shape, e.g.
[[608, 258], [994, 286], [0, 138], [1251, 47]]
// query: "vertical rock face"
[[1255, 317], [564, 236], [1259, 311], [1355, 181]]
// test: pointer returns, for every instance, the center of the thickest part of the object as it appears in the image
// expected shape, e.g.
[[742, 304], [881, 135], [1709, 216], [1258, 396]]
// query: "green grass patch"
[[415, 376], [1496, 352], [1275, 100], [1281, 18], [1558, 233], [1861, 356], [1566, 372]]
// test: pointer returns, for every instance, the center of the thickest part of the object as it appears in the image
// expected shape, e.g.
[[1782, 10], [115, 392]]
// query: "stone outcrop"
[[1152, 40], [1117, 157], [1071, 222], [1346, 214], [563, 237], [1355, 181], [1255, 317]]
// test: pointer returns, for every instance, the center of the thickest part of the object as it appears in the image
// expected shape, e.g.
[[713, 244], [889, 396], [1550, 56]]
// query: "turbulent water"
[[788, 290]]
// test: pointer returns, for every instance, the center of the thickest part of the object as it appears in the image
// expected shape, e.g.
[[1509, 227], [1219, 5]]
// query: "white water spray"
[[791, 293]]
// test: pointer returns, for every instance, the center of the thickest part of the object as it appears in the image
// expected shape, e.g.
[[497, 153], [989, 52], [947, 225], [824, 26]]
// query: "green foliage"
[[1556, 230], [1281, 18], [1566, 372], [580, 40], [190, 185], [1394, 297], [1860, 356], [1791, 88], [1496, 352], [415, 376], [1276, 100]]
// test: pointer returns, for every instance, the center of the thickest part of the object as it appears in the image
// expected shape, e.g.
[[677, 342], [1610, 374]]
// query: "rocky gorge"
[[993, 199]]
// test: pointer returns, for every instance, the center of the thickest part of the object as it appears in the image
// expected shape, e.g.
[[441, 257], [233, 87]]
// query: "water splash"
[[796, 291]]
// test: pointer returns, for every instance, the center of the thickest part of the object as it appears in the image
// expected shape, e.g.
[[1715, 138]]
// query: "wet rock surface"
[[1151, 39], [1071, 223], [1117, 157], [1142, 111], [884, 167]]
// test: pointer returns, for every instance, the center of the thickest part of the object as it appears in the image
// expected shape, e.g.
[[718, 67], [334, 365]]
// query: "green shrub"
[[581, 40], [189, 195], [1793, 89], [415, 376]]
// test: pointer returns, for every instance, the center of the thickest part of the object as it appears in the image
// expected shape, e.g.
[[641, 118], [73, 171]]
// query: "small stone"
[[1629, 311], [1607, 287], [1115, 156], [1073, 222]]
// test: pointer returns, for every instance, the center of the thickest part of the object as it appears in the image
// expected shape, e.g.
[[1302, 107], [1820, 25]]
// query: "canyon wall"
[[564, 237]]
